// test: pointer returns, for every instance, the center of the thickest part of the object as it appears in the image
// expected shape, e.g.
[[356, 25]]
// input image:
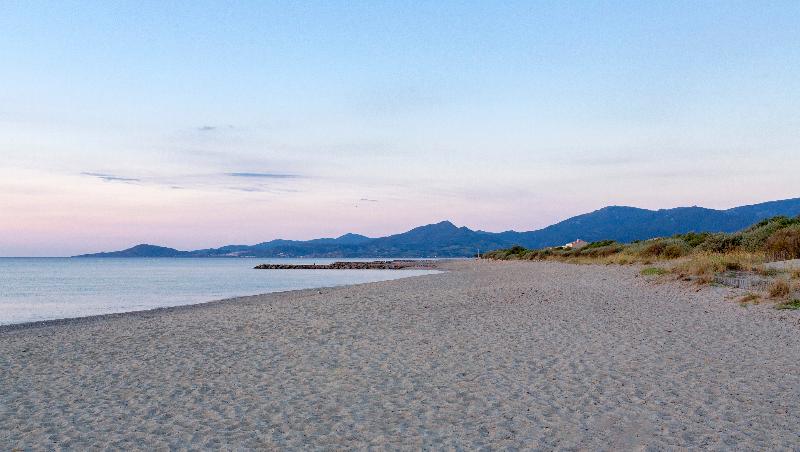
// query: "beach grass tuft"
[[792, 305], [778, 288], [750, 298], [654, 271], [766, 271]]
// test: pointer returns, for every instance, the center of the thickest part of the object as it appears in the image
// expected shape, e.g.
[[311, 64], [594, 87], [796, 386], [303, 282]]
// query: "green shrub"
[[720, 243], [674, 250], [516, 249], [693, 239], [602, 251], [793, 305], [777, 236], [600, 244], [654, 271], [664, 248], [755, 237]]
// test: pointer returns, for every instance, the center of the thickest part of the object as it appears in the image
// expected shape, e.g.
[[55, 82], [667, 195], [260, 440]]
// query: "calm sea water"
[[35, 289]]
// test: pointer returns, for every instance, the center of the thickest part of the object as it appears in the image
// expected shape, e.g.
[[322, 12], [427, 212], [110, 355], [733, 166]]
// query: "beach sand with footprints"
[[487, 354]]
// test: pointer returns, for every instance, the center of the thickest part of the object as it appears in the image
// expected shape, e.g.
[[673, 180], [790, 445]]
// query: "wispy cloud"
[[208, 128], [247, 189], [265, 175], [111, 177], [252, 182]]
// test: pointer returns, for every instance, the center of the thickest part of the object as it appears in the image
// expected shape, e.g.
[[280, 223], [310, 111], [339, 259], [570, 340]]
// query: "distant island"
[[444, 239]]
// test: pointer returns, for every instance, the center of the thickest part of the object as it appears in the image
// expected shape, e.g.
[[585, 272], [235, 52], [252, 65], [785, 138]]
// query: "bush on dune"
[[599, 244], [671, 248], [704, 252], [607, 248], [784, 243], [693, 239], [755, 237], [720, 243]]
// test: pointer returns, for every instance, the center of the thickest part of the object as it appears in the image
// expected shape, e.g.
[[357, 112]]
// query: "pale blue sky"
[[128, 122]]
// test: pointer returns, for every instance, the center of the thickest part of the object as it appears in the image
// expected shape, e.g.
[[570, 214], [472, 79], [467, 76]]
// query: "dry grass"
[[785, 242], [618, 259], [702, 267], [706, 265], [767, 272], [614, 259], [796, 273], [779, 288], [750, 298]]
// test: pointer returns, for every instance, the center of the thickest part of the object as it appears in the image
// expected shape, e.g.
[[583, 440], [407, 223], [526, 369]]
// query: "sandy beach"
[[486, 355]]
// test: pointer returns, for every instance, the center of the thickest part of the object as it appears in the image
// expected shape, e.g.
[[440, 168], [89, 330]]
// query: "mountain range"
[[444, 239]]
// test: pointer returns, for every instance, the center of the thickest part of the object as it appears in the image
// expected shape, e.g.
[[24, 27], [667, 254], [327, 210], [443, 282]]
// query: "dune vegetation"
[[697, 256]]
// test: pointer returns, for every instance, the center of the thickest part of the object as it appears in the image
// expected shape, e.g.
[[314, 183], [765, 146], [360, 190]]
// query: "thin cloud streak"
[[208, 128], [265, 175], [217, 181], [247, 189], [111, 177]]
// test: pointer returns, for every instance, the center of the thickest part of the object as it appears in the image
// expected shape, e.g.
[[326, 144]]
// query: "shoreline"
[[67, 321], [440, 266]]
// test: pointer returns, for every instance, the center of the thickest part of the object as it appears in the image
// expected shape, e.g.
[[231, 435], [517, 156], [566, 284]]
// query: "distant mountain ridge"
[[444, 239], [143, 250]]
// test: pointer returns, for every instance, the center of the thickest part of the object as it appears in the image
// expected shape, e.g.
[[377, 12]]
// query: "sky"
[[199, 124]]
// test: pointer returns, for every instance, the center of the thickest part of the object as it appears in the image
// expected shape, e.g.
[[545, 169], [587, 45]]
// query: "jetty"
[[351, 265]]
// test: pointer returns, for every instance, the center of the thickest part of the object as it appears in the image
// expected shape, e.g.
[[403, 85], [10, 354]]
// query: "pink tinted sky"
[[65, 214], [203, 124]]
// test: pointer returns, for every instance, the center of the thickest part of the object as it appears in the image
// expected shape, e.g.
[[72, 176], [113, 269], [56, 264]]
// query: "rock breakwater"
[[346, 265]]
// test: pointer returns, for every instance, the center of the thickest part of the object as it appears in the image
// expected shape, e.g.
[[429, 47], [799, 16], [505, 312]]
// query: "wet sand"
[[499, 355]]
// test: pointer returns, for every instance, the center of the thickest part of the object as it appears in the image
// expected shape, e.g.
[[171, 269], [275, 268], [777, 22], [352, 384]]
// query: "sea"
[[38, 289]]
